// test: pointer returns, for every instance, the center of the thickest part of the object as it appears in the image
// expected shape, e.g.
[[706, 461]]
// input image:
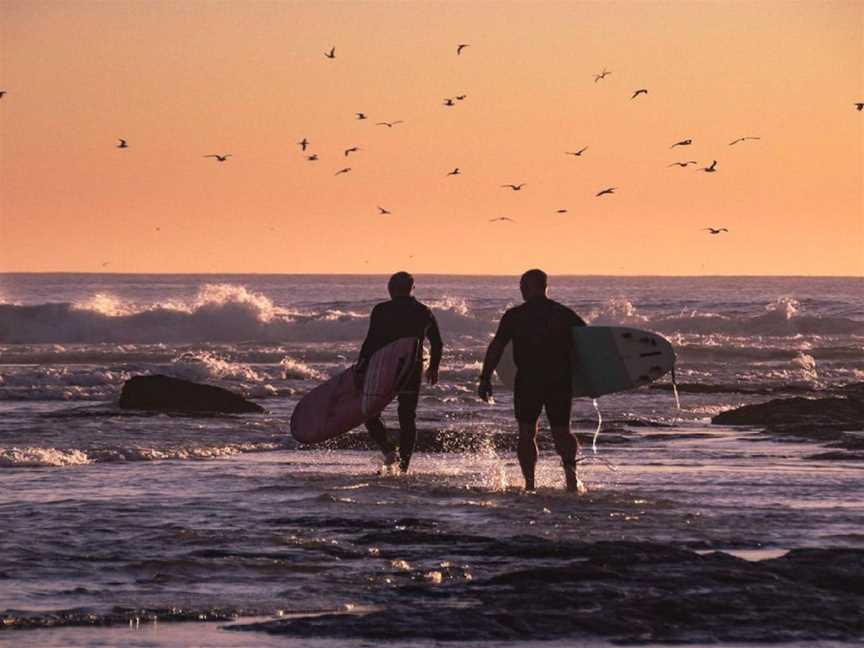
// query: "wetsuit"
[[398, 318], [540, 330]]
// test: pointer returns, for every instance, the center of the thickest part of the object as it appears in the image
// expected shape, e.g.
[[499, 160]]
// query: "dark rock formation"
[[620, 591], [834, 412], [167, 394], [818, 419]]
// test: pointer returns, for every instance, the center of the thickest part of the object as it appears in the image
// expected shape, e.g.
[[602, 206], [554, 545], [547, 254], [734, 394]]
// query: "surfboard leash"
[[599, 425]]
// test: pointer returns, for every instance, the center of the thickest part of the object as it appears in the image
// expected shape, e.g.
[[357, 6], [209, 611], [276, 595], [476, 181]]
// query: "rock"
[[625, 592], [167, 394], [835, 412]]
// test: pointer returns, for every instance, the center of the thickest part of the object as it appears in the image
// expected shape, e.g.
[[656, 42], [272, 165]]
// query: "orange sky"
[[183, 79]]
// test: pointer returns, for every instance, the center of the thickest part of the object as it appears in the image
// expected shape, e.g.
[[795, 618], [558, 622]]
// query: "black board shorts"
[[531, 396]]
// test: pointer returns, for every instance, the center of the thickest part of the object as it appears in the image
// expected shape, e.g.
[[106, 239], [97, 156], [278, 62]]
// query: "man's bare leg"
[[527, 452], [567, 445]]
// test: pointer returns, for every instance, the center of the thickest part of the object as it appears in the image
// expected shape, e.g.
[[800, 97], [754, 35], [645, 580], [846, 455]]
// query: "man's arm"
[[493, 355], [372, 335], [436, 344]]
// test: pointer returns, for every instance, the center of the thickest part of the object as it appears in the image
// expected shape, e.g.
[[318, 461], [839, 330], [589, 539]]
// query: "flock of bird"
[[452, 101]]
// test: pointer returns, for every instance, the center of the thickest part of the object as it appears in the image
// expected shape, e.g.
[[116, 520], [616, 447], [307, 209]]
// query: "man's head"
[[400, 284], [533, 284]]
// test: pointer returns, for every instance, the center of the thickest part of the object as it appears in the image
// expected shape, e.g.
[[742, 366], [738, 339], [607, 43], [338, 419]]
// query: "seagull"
[[461, 97], [683, 164], [686, 142], [606, 191], [602, 75], [3, 94], [503, 219], [461, 46], [638, 92], [353, 149], [454, 172], [712, 168], [361, 115], [514, 187], [449, 102], [105, 264], [561, 211], [383, 211], [303, 144], [858, 106], [715, 230], [345, 170], [389, 124], [220, 158], [577, 153], [122, 143], [331, 54], [742, 139], [312, 157]]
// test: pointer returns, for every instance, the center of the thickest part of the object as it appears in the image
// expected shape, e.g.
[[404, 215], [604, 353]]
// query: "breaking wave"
[[222, 313]]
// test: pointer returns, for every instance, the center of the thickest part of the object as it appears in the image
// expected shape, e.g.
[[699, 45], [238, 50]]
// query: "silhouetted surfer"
[[402, 316], [540, 330]]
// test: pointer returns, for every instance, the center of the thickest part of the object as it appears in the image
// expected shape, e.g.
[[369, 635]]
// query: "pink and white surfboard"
[[337, 406]]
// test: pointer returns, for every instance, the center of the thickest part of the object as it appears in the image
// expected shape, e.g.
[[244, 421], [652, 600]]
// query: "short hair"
[[534, 279], [400, 283]]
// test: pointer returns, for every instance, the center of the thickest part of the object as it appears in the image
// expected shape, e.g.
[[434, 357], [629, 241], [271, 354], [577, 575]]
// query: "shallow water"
[[106, 512]]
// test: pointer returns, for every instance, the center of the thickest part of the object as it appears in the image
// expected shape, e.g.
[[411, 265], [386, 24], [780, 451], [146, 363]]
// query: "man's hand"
[[432, 375], [484, 390]]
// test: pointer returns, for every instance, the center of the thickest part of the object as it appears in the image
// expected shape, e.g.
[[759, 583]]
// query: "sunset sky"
[[180, 80]]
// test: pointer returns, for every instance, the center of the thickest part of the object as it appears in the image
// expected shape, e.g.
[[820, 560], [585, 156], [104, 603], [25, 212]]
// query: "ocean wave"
[[226, 313], [29, 457], [219, 313]]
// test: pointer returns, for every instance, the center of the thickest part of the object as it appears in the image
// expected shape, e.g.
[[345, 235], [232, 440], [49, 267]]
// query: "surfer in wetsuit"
[[402, 316], [540, 330]]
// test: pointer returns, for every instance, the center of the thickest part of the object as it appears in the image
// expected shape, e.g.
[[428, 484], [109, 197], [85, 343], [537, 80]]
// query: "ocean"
[[116, 522]]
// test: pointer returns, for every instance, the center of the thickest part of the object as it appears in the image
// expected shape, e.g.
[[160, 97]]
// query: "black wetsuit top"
[[542, 340], [403, 317]]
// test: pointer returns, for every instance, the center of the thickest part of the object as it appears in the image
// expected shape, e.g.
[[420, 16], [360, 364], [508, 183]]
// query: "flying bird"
[[461, 46], [638, 92], [123, 143], [859, 106], [683, 164], [577, 153], [514, 187], [449, 102], [345, 170], [331, 54], [353, 149], [503, 219], [454, 172], [361, 115], [3, 94], [712, 168], [602, 75], [610, 190], [389, 124], [686, 142], [303, 144], [742, 139], [461, 97], [561, 211], [219, 158], [383, 211], [312, 157], [715, 230]]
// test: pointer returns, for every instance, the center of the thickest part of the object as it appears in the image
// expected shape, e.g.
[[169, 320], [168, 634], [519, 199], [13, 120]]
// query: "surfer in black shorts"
[[540, 330], [402, 316]]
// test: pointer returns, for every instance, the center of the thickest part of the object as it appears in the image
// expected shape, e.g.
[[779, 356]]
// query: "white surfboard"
[[607, 359]]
